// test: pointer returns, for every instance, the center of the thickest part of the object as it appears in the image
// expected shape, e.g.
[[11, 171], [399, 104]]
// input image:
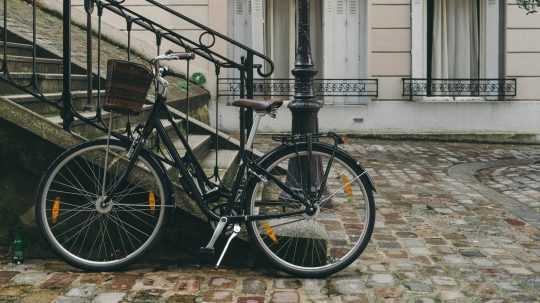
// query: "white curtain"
[[278, 38], [455, 52]]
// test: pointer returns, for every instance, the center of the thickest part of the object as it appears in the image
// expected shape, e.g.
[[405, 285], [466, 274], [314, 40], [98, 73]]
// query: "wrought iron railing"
[[231, 87], [203, 46], [500, 88]]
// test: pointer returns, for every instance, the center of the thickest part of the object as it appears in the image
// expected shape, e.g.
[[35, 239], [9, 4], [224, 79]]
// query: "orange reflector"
[[270, 232], [152, 201], [347, 187], [55, 211]]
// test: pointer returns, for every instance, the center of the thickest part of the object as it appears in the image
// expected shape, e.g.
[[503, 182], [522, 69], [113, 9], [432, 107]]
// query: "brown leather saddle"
[[259, 106]]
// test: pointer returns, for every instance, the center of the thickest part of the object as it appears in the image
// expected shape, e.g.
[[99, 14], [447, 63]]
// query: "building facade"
[[440, 66]]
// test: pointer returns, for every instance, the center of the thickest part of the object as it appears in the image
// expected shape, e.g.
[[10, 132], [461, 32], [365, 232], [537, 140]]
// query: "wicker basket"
[[127, 87]]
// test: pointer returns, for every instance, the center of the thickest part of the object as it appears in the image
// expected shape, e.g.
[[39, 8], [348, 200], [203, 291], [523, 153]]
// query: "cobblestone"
[[437, 239]]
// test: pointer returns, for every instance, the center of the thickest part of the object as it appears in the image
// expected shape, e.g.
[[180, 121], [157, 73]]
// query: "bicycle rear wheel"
[[330, 237], [92, 218]]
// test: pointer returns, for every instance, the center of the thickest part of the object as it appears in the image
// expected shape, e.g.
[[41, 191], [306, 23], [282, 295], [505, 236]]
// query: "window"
[[457, 48], [455, 37], [281, 34]]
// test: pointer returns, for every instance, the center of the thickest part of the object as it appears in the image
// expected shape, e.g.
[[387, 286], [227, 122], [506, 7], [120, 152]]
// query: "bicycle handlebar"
[[167, 72], [170, 56]]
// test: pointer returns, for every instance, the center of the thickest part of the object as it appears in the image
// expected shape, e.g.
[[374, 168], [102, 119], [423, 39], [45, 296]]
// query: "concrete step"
[[23, 64], [228, 160], [119, 122], [46, 83], [90, 132], [200, 144], [16, 49], [43, 108]]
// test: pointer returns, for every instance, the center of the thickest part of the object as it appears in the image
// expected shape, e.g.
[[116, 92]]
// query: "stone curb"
[[467, 173]]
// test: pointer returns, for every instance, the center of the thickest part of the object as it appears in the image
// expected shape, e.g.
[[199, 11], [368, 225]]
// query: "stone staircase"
[[202, 138], [31, 132]]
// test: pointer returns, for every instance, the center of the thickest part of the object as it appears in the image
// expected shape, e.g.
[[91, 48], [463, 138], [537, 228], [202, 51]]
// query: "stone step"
[[119, 122], [46, 83], [16, 49], [200, 144], [90, 132], [22, 64], [43, 108], [228, 160]]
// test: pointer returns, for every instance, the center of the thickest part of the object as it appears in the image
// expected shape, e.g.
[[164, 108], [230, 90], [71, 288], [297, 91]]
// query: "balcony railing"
[[501, 88], [230, 87]]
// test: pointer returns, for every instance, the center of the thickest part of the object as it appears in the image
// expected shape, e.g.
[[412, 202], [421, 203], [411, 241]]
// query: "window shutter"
[[352, 56], [342, 27], [344, 40], [241, 26], [257, 27]]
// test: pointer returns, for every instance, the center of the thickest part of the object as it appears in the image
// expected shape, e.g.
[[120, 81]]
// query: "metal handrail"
[[198, 47], [203, 47]]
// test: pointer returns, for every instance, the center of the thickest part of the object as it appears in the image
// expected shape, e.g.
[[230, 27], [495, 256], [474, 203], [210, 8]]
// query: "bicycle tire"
[[256, 230], [117, 212]]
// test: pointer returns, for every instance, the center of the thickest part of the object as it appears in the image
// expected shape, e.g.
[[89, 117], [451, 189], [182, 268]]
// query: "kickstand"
[[236, 231]]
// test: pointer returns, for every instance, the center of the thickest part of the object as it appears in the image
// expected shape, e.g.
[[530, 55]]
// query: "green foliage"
[[531, 6]]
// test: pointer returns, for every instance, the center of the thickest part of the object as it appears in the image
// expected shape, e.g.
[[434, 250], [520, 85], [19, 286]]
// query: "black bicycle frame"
[[192, 176]]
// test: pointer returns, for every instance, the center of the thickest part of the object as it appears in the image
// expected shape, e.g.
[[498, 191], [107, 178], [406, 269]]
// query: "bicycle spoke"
[[102, 230], [323, 237], [342, 188]]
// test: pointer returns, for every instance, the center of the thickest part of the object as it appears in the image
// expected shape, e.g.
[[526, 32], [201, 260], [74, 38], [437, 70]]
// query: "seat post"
[[253, 131]]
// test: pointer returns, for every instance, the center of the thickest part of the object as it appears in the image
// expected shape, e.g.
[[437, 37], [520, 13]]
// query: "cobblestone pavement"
[[436, 240], [519, 182]]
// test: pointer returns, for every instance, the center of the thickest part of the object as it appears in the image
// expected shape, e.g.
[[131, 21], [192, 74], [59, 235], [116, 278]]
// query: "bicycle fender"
[[268, 156]]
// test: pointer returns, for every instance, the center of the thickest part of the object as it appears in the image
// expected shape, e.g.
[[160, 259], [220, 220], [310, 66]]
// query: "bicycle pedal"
[[207, 251]]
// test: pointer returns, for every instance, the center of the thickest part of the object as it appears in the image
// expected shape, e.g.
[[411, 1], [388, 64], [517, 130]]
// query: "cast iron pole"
[[304, 107]]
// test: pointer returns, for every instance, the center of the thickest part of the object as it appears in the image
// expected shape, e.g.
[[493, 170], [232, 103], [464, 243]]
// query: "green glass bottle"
[[17, 248]]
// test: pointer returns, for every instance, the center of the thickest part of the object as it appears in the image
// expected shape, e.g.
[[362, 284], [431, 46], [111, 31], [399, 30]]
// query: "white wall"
[[411, 117], [390, 60], [523, 51]]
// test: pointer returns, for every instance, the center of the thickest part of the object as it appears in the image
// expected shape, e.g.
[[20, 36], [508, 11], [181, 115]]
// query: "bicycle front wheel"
[[325, 238], [91, 217]]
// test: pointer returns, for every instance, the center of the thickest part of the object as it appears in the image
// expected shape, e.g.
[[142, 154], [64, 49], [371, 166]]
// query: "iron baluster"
[[67, 110], [249, 90], [34, 47], [4, 62], [98, 101], [216, 168], [158, 42], [188, 102], [242, 110], [129, 27], [89, 8]]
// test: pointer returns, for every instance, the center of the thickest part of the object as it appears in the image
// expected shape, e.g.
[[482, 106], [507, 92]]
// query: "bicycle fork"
[[209, 248]]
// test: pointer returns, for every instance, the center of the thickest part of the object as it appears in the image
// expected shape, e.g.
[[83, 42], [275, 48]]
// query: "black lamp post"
[[304, 107]]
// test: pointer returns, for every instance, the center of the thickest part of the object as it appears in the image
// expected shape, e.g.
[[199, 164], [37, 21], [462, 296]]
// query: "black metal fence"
[[231, 87], [500, 88]]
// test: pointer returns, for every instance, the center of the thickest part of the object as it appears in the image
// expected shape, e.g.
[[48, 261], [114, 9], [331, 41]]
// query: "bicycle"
[[308, 206]]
